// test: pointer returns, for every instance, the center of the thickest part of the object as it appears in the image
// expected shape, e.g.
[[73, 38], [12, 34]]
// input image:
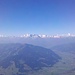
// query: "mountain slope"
[[25, 58]]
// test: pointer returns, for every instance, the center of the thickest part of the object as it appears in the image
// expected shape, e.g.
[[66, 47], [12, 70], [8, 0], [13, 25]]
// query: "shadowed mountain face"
[[26, 57]]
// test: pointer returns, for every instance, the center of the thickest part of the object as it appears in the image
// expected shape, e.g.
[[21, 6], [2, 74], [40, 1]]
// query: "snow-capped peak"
[[42, 36]]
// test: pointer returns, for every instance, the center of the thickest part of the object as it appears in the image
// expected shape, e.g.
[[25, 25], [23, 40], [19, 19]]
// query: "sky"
[[49, 17]]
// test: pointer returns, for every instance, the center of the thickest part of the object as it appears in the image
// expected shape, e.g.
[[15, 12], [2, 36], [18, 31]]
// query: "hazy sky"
[[37, 16]]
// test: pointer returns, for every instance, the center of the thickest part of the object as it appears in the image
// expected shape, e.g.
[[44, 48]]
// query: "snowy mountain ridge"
[[42, 36]]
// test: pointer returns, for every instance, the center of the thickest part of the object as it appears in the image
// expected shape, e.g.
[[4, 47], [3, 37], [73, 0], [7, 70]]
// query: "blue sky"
[[37, 17]]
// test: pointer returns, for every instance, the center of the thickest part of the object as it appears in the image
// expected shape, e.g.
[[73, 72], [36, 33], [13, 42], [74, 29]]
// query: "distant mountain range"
[[69, 47], [42, 36], [44, 42], [19, 59]]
